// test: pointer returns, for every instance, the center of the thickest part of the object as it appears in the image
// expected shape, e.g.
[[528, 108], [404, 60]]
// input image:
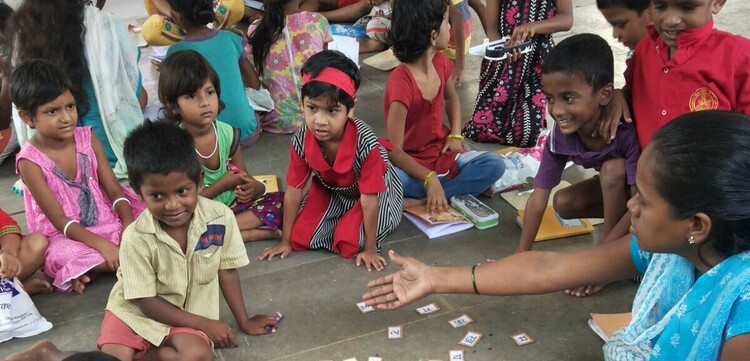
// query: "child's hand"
[[250, 189], [611, 115], [10, 266], [455, 145], [111, 254], [258, 325], [436, 201], [220, 333], [282, 250], [457, 73], [372, 259], [230, 180], [522, 33]]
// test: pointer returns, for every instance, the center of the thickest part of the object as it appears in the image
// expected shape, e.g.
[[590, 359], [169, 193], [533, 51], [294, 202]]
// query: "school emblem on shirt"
[[213, 236], [703, 99]]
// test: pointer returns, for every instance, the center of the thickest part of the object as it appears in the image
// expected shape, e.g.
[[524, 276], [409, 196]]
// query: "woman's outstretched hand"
[[401, 288]]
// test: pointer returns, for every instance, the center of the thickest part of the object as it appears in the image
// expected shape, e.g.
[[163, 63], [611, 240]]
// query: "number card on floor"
[[461, 321], [470, 339], [362, 307], [456, 355], [522, 339], [424, 310], [395, 332]]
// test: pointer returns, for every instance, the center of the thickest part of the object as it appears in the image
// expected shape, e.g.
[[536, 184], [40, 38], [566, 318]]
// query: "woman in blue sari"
[[690, 240]]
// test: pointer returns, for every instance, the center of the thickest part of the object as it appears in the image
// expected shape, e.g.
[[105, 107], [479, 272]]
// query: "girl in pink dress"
[[70, 192]]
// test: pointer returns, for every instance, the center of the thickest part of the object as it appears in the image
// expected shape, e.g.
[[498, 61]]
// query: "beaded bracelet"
[[118, 200], [427, 178], [455, 136], [473, 279]]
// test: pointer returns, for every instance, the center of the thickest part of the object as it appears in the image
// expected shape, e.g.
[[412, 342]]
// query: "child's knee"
[[36, 242], [612, 173], [195, 351], [564, 204], [493, 166]]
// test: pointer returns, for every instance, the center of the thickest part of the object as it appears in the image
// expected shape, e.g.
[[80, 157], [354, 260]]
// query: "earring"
[[691, 240]]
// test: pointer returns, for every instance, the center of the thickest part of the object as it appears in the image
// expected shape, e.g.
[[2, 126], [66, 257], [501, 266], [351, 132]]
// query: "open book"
[[605, 324], [553, 226], [437, 224]]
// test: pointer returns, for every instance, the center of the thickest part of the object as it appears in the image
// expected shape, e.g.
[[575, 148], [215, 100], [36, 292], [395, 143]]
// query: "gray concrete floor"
[[317, 291]]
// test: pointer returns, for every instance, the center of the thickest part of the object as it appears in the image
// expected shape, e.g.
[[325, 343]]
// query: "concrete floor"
[[317, 291]]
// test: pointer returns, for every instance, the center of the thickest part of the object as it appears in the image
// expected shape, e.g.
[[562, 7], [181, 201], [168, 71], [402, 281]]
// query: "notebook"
[[605, 324], [272, 185], [437, 225], [553, 227]]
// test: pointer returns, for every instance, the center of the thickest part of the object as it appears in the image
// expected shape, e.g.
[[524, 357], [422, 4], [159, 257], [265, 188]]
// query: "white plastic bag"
[[18, 315], [260, 100]]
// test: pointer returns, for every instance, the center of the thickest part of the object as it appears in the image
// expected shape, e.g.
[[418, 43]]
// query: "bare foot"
[[413, 202], [35, 286], [584, 291], [258, 235], [79, 284], [42, 351]]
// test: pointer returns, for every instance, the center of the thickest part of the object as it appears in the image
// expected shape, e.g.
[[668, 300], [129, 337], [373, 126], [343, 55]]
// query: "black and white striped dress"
[[331, 214]]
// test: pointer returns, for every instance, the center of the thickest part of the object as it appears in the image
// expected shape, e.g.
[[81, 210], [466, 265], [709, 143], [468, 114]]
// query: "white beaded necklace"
[[216, 145]]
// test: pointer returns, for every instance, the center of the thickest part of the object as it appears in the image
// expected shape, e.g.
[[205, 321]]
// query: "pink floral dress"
[[309, 32], [66, 259]]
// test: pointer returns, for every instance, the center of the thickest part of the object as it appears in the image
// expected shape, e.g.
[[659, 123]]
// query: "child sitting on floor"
[[190, 89], [355, 196], [577, 79], [176, 256], [433, 162], [70, 192], [224, 51], [21, 256]]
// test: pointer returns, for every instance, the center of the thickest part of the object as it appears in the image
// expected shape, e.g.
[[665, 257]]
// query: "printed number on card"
[[461, 321]]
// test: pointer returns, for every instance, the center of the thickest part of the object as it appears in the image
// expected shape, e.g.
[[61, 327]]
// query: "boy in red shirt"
[[674, 69]]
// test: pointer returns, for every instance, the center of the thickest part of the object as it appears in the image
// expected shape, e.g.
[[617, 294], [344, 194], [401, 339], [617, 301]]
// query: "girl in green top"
[[189, 88]]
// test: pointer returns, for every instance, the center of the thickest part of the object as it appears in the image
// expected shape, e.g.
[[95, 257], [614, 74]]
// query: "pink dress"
[[66, 259]]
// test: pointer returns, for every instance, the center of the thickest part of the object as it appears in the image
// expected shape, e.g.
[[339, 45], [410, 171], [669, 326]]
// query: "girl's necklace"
[[216, 146]]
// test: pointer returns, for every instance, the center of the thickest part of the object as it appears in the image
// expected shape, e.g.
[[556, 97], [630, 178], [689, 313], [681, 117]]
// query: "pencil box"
[[474, 210]]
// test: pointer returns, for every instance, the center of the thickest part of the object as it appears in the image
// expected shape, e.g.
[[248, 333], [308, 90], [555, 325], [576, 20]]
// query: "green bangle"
[[473, 279]]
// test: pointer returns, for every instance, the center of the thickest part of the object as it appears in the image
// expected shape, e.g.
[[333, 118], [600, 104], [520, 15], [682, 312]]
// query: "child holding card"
[[355, 197]]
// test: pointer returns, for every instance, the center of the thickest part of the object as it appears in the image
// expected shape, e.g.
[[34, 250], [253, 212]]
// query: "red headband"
[[334, 77]]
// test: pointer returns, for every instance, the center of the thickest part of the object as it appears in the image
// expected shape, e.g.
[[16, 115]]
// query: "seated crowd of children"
[[174, 236]]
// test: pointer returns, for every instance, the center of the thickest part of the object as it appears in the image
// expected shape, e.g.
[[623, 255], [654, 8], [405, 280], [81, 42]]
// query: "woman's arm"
[[249, 75], [518, 274], [108, 182]]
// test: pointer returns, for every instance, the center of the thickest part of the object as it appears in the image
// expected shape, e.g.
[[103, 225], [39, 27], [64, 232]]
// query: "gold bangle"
[[473, 279], [455, 136], [427, 178]]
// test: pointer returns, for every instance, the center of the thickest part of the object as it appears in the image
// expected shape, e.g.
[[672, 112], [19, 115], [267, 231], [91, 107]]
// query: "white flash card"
[[373, 358], [351, 359], [456, 355], [461, 321], [395, 332], [362, 307], [522, 339], [424, 310], [470, 339]]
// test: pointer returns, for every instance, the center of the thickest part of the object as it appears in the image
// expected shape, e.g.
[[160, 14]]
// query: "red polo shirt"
[[709, 70]]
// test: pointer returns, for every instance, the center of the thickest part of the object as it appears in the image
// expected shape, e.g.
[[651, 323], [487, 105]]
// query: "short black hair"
[[37, 82], [587, 56], [638, 6], [160, 148], [412, 26], [330, 59], [197, 12], [181, 73]]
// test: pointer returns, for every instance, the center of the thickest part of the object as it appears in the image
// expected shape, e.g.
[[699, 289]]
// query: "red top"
[[708, 71], [8, 225], [424, 131], [371, 179]]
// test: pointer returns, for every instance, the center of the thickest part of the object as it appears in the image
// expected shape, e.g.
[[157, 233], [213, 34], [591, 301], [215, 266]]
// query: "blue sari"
[[678, 315]]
